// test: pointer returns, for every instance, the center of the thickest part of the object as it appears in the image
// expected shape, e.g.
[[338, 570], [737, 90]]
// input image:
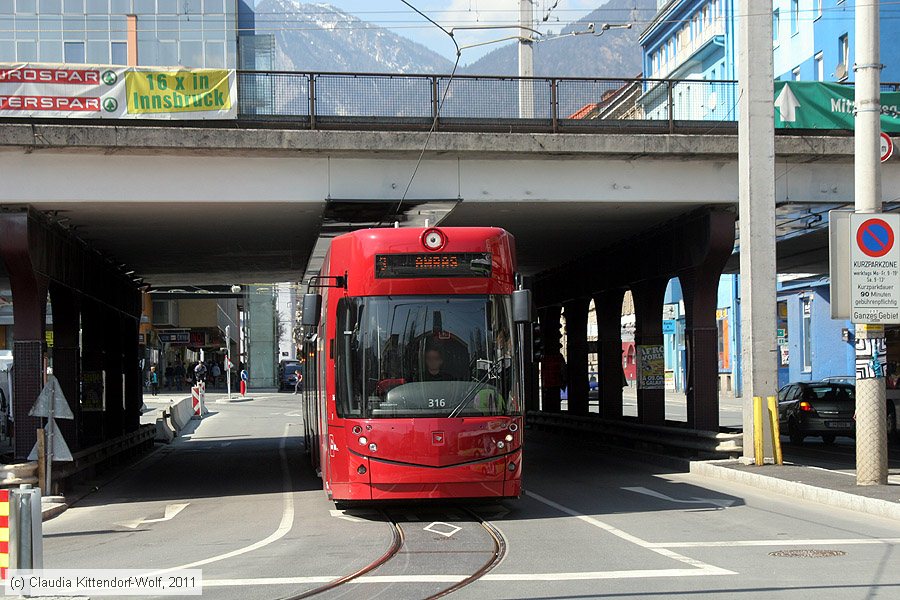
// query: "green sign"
[[817, 105]]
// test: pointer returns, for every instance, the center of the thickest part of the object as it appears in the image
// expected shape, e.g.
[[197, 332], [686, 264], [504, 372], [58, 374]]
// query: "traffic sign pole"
[[871, 431]]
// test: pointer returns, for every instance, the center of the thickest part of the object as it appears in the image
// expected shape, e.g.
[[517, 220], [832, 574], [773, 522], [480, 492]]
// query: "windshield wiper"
[[492, 372]]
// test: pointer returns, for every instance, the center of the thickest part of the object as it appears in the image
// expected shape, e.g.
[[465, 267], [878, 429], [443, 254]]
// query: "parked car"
[[893, 405], [819, 408], [288, 371]]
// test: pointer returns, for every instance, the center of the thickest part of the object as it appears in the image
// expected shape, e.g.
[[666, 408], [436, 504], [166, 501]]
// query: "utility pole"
[[526, 59], [871, 432], [756, 175]]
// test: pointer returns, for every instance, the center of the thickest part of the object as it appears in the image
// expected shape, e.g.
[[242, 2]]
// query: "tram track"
[[398, 543]]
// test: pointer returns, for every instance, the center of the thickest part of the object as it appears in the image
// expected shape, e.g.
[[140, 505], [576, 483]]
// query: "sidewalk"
[[814, 484]]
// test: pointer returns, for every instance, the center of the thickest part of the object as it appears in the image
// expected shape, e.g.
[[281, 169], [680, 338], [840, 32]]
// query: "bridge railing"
[[335, 100]]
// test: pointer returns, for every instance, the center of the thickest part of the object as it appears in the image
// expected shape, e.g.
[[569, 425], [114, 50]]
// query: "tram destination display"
[[456, 264]]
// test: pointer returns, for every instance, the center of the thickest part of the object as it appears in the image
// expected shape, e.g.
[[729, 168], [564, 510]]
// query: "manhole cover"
[[806, 553]]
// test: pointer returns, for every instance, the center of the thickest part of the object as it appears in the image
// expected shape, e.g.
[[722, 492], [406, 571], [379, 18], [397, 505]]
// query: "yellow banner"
[[196, 90]]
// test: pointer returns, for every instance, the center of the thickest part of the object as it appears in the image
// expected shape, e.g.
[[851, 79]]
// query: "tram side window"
[[348, 372]]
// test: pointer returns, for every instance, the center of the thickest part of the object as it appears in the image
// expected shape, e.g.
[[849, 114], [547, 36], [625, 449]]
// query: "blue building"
[[692, 41], [811, 344], [814, 40]]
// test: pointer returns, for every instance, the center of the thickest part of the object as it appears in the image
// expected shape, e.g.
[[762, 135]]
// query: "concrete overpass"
[[238, 202], [224, 203]]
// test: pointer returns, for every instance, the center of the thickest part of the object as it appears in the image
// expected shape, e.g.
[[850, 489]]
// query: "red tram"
[[413, 365]]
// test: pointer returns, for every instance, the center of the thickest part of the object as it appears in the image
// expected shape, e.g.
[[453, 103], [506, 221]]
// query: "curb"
[[803, 491], [54, 509]]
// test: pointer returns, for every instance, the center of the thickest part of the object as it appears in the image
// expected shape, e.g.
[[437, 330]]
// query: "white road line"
[[496, 577], [706, 568], [287, 516], [745, 543]]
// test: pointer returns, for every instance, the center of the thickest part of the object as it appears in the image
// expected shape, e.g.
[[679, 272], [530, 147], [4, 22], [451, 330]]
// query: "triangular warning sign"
[[60, 449], [51, 395]]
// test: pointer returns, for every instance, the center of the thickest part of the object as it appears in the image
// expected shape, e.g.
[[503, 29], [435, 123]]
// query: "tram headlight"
[[373, 447], [363, 441], [512, 466], [357, 430], [501, 444], [513, 427], [361, 469], [509, 437]]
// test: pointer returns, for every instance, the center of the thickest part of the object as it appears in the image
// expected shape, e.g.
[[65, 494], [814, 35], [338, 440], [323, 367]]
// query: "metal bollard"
[[26, 546]]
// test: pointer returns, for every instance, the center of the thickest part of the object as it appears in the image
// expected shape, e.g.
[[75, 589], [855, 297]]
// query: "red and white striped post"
[[195, 402]]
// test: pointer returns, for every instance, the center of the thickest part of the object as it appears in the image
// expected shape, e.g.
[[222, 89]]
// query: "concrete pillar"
[[702, 341], [576, 312], [29, 292], [550, 324], [648, 337], [608, 305], [65, 303], [756, 190]]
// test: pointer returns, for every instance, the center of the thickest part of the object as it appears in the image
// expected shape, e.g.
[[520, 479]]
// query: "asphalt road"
[[236, 499]]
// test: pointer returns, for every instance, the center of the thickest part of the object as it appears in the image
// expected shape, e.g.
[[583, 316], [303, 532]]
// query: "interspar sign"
[[101, 92]]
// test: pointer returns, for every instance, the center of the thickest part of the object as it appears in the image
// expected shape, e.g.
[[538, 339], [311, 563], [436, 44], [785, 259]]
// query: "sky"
[[395, 15]]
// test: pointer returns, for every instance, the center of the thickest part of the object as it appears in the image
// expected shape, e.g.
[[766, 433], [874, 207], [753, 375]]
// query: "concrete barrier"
[[13, 475], [180, 414]]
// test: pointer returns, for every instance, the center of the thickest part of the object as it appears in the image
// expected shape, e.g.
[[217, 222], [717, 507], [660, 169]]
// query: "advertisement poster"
[[116, 92]]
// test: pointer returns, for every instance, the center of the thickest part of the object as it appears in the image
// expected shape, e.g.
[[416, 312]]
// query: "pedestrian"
[[169, 372], [216, 373], [199, 372], [178, 374], [245, 380], [298, 379], [154, 381]]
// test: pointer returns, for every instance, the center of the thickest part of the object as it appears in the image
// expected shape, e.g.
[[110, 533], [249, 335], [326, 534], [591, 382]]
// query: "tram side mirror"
[[312, 307], [521, 306]]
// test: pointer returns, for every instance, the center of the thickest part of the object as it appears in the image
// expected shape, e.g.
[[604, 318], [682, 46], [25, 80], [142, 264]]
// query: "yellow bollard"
[[776, 431], [758, 446]]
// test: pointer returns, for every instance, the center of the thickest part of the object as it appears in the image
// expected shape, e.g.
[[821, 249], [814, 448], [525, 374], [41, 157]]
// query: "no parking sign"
[[874, 268]]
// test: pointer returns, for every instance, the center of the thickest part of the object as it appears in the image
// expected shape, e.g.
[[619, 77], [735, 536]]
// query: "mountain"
[[615, 53], [319, 37]]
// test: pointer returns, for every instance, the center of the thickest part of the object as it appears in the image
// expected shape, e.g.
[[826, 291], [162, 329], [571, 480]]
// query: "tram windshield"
[[425, 356]]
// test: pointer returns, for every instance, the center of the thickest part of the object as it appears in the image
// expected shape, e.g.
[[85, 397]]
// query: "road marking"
[[701, 566], [437, 525], [745, 543], [171, 511], [496, 577], [720, 502], [287, 516], [341, 514]]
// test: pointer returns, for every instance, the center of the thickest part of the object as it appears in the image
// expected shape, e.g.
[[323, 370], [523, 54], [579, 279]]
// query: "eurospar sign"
[[112, 92]]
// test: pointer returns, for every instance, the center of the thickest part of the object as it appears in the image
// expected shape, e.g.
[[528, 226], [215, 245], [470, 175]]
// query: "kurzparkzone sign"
[[818, 105], [874, 268], [115, 92]]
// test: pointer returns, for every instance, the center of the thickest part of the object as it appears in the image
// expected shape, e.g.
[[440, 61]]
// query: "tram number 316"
[[437, 402]]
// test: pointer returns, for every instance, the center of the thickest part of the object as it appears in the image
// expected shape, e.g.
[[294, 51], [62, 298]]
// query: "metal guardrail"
[[89, 457], [341, 100], [705, 443]]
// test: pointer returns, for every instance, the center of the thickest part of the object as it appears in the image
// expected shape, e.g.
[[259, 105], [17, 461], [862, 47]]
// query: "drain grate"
[[807, 553]]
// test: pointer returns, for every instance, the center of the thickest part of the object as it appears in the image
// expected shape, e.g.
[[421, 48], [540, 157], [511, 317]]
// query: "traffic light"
[[537, 342]]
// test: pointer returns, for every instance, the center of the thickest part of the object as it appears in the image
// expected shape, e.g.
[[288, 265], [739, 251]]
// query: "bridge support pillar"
[[648, 304], [576, 312], [702, 341], [29, 290], [551, 364], [112, 364], [608, 305]]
